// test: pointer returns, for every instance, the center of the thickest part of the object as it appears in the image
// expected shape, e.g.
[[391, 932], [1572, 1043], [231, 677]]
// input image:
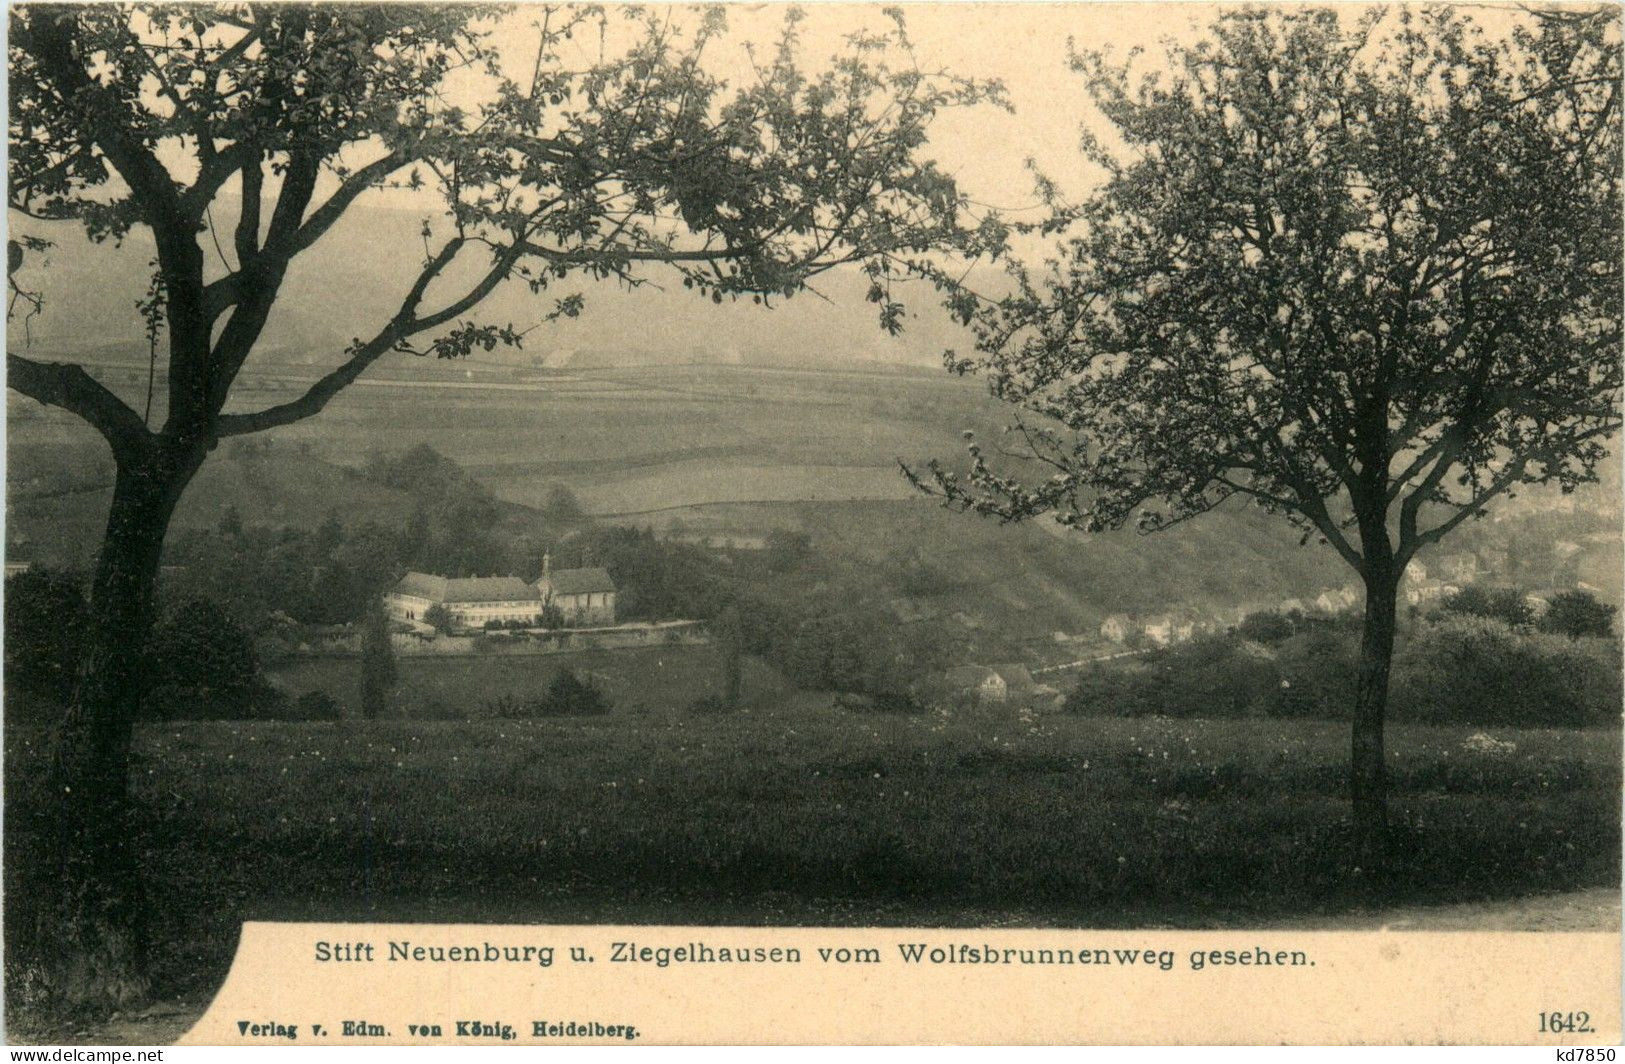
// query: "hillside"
[[51, 525], [709, 451]]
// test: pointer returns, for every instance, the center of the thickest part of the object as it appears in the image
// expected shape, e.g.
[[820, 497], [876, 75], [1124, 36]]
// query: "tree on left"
[[236, 135]]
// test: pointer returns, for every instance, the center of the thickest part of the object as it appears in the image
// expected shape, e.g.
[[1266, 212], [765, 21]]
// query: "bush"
[[571, 696], [202, 666], [44, 631], [378, 673], [1456, 669], [1476, 670], [505, 707], [1504, 604], [1214, 676], [883, 701], [1267, 626], [1577, 614]]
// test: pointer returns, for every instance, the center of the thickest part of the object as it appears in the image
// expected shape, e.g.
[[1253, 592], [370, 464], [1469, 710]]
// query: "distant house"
[[1018, 682], [1427, 591], [1335, 600], [1166, 628], [994, 683], [1159, 629], [14, 568], [1415, 571], [584, 596], [1208, 622], [1117, 627], [472, 602], [1459, 568]]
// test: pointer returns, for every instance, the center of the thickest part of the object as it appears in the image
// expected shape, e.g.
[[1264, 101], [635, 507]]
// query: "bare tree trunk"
[[92, 930], [1369, 774]]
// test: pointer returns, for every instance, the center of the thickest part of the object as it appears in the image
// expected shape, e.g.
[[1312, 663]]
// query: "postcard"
[[958, 523]]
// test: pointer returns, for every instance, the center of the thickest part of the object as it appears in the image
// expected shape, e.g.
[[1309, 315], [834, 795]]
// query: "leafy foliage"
[[203, 665], [1456, 669], [1265, 626], [316, 705], [44, 630], [1577, 614], [543, 168], [1508, 605], [1341, 267], [440, 617], [571, 696], [1476, 669]]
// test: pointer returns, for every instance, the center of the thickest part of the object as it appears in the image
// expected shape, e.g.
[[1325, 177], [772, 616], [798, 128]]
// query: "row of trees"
[[204, 663], [1574, 614], [207, 664], [1451, 668]]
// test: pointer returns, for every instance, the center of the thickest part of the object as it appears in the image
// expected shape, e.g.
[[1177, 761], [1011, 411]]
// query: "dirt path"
[[1584, 910]]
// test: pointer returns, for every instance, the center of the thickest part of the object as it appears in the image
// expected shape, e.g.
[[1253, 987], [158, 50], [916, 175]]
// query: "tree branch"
[[69, 387], [286, 244], [51, 37], [404, 324]]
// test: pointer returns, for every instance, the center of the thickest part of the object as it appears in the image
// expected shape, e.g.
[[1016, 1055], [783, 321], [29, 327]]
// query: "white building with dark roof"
[[993, 683], [583, 596], [472, 601]]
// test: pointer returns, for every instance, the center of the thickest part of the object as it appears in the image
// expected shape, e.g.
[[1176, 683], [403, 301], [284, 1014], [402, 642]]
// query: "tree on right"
[[1360, 269]]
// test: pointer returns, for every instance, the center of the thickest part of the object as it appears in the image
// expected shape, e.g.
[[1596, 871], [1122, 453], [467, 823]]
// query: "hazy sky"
[[1024, 45]]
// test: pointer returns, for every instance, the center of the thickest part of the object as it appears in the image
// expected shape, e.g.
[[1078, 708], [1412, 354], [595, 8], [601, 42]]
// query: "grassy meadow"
[[794, 812], [635, 680]]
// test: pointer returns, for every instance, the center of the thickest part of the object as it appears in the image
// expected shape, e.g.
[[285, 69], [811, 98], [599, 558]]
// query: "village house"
[[1117, 627], [471, 602], [1336, 600], [1459, 568], [583, 596], [994, 683], [1159, 629], [1166, 628], [1425, 591]]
